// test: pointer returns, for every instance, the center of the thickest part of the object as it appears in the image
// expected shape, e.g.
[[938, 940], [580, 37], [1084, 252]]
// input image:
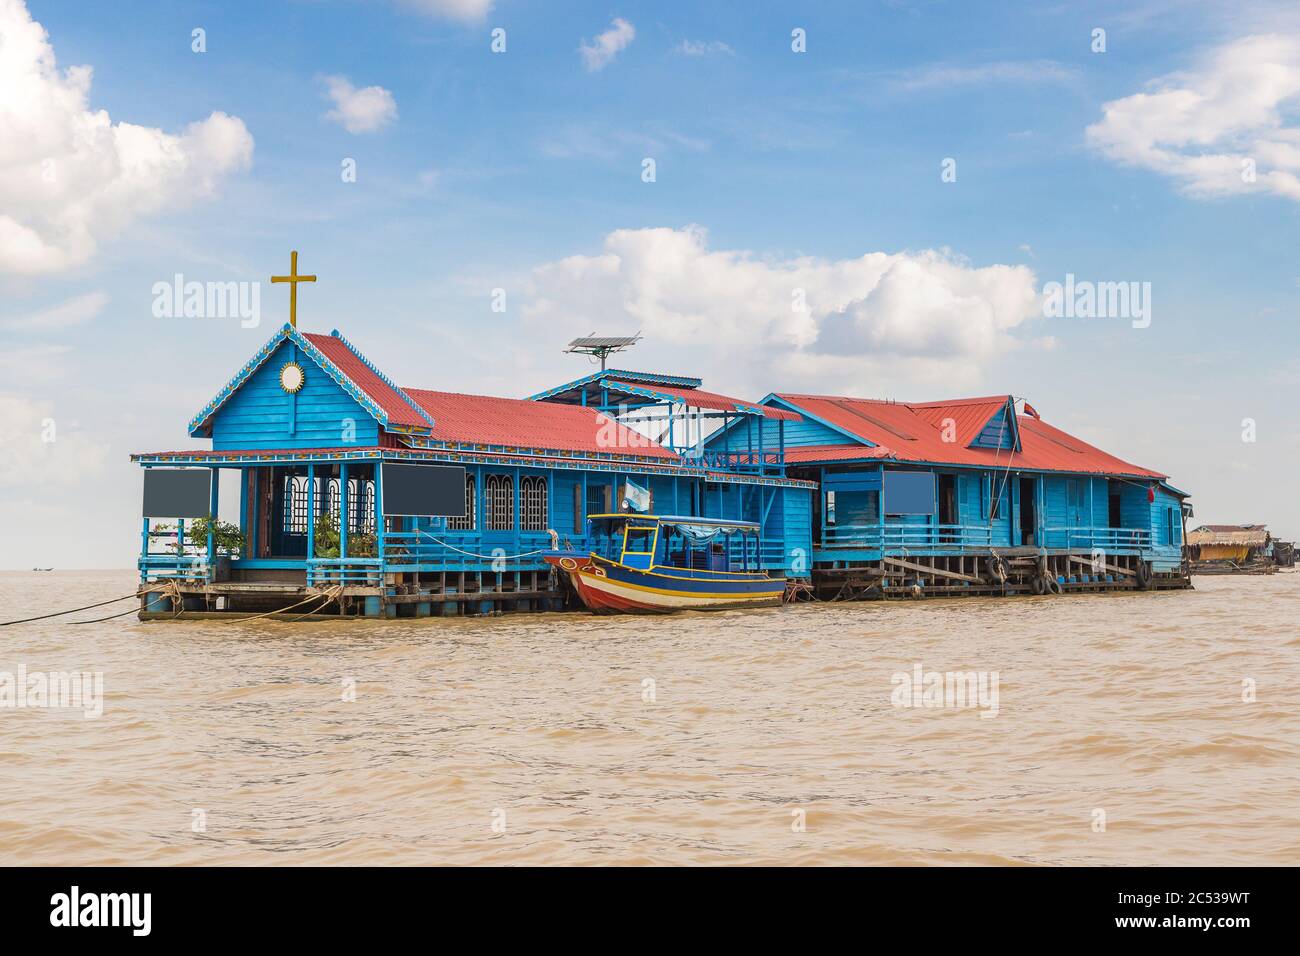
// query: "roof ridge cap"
[[335, 333]]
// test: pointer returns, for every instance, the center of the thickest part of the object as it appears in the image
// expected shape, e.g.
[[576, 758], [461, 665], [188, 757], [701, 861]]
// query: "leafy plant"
[[327, 540], [226, 537]]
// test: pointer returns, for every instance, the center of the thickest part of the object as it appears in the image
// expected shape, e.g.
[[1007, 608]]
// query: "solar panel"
[[602, 346], [604, 341]]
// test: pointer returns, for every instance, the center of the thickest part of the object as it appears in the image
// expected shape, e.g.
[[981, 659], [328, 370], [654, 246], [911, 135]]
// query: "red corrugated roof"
[[698, 398], [398, 410], [913, 433], [969, 415], [799, 454], [517, 422]]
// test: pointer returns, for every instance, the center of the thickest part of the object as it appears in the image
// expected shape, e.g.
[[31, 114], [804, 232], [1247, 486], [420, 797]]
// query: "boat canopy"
[[690, 526]]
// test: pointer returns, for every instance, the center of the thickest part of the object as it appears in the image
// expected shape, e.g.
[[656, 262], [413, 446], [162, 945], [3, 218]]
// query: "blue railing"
[[183, 567], [757, 460], [900, 537], [1107, 539], [949, 537], [453, 551], [323, 572]]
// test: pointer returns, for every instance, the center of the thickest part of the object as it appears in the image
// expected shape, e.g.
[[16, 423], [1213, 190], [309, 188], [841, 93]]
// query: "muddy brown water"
[[1129, 729]]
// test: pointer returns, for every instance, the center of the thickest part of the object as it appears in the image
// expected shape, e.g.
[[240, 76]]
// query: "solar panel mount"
[[602, 346]]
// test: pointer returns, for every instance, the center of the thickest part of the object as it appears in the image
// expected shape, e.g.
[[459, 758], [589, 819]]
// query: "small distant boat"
[[652, 563], [42, 569]]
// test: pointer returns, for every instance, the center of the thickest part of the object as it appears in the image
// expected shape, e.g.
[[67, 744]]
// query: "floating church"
[[849, 498]]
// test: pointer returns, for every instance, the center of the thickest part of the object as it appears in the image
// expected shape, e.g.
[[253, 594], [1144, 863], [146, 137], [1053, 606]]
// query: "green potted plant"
[[227, 541]]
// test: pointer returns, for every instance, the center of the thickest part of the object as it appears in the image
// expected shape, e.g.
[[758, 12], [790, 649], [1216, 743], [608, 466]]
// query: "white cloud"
[[366, 110], [703, 48], [69, 176], [927, 314], [466, 10], [29, 460], [73, 312], [597, 54], [1202, 127]]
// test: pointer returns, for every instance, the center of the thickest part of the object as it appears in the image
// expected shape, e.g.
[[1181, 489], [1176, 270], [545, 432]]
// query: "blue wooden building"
[[854, 497], [971, 496], [305, 426]]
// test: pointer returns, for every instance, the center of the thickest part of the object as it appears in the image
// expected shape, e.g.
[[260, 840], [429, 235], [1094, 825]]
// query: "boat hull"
[[607, 587]]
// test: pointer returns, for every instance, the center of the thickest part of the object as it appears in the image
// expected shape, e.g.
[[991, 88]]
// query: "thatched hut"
[[1228, 542]]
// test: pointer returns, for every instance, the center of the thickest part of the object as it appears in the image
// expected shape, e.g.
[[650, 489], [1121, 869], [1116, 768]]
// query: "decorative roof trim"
[[287, 333], [679, 381], [335, 333]]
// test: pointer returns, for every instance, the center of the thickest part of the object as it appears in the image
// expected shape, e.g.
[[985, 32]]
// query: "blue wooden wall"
[[262, 415], [797, 434]]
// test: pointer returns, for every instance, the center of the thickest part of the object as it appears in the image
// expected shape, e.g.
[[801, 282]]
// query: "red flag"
[[1151, 493], [1030, 410]]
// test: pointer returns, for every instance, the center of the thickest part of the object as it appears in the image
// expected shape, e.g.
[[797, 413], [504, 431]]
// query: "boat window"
[[639, 540]]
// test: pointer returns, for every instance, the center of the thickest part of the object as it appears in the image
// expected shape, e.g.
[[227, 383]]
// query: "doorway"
[[947, 506], [1028, 496]]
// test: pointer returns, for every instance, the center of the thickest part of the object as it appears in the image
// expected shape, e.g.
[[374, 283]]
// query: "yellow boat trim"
[[751, 575], [749, 596]]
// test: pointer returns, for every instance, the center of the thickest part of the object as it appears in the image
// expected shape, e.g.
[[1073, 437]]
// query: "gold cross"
[[293, 279]]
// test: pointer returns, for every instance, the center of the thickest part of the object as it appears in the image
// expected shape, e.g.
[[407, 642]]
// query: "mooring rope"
[[328, 596], [109, 618], [171, 589], [73, 610]]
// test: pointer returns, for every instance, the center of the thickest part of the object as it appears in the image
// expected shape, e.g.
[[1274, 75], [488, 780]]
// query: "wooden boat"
[[651, 563]]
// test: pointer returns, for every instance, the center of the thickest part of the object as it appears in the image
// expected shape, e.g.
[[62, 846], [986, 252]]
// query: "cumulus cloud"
[[67, 314], [1226, 127], [366, 110], [597, 54], [70, 176], [467, 10], [800, 322], [39, 450]]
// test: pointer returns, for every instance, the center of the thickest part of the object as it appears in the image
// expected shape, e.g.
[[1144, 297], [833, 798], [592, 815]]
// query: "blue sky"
[[774, 170]]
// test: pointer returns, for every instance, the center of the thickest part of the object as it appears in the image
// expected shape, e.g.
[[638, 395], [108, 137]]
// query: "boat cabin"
[[678, 541]]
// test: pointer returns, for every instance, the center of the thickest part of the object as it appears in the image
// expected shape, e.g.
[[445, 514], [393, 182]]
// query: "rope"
[[330, 594], [26, 620], [109, 618], [170, 588]]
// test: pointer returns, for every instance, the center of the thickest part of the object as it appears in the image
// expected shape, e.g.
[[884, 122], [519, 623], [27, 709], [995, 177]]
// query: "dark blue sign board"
[[177, 492], [909, 493], [424, 491]]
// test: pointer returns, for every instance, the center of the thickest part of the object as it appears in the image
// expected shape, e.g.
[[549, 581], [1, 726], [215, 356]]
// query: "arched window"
[[332, 498], [361, 506], [466, 523], [499, 500], [295, 504], [532, 503]]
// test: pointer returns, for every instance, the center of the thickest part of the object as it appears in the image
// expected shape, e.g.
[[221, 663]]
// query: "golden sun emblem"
[[292, 377]]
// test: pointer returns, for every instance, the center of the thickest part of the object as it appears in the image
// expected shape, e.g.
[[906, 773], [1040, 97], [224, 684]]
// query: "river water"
[[1126, 729]]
